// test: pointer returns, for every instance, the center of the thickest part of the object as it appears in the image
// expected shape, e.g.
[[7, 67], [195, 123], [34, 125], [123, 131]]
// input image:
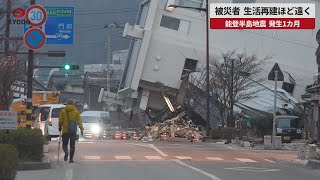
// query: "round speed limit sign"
[[36, 15]]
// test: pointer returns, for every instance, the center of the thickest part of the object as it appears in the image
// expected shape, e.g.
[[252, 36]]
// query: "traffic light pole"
[[30, 85]]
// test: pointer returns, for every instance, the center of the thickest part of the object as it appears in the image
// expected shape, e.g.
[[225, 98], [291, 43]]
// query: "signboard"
[[8, 120], [262, 16], [34, 38], [271, 75], [59, 26], [36, 15]]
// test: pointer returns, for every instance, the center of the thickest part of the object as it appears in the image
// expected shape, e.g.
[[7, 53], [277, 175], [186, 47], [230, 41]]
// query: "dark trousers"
[[65, 141]]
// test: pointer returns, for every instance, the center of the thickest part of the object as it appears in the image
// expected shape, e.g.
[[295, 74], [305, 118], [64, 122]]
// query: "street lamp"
[[225, 55], [206, 10]]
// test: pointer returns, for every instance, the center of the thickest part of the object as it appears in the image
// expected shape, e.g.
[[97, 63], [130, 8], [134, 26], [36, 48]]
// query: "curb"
[[45, 164], [315, 164]]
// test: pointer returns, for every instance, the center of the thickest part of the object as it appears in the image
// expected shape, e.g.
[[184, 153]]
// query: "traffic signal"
[[71, 67]]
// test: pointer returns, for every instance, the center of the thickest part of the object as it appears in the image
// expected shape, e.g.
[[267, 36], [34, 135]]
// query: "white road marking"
[[231, 148], [123, 157], [153, 157], [183, 157], [213, 177], [69, 173], [158, 150], [56, 157], [189, 147], [214, 158], [124, 160], [86, 142], [220, 143], [253, 169], [92, 157], [245, 160], [270, 161], [142, 145]]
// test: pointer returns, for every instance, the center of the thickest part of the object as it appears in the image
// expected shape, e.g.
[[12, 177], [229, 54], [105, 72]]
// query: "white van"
[[47, 119], [94, 123]]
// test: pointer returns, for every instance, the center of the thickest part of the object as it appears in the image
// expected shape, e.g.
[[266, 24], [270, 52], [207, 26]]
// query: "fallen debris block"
[[176, 128]]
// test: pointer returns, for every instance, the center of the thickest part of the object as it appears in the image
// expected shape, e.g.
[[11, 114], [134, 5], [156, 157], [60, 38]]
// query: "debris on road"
[[176, 127]]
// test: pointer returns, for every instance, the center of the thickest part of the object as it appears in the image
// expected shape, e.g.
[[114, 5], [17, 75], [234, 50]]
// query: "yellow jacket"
[[74, 115]]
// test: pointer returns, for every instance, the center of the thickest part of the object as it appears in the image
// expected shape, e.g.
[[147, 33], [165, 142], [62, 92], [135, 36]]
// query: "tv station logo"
[[19, 15]]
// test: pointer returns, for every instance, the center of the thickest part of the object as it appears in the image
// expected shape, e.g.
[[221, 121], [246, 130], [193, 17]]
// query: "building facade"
[[166, 42]]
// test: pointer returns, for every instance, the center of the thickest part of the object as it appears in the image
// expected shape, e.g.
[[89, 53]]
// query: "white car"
[[95, 123], [47, 119]]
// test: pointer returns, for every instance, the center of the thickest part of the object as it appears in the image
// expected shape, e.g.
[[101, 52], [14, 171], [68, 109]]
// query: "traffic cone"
[[124, 136], [134, 137], [117, 136], [104, 136], [165, 137], [195, 138]]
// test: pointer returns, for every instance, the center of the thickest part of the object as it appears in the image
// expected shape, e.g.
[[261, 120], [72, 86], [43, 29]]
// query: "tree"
[[12, 68], [220, 80]]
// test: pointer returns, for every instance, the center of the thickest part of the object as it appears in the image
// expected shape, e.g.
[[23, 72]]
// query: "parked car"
[[95, 123], [47, 119], [289, 127]]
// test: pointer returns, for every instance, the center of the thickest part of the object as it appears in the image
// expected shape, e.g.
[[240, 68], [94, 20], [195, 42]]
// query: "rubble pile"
[[176, 127]]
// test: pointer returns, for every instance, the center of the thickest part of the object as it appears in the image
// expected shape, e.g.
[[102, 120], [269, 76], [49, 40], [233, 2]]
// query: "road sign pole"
[[275, 109], [29, 83]]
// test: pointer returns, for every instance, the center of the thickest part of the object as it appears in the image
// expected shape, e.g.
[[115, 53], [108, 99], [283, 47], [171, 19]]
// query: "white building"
[[166, 42]]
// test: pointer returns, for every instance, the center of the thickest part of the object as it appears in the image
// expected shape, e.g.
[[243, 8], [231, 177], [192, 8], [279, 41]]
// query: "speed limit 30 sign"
[[36, 15]]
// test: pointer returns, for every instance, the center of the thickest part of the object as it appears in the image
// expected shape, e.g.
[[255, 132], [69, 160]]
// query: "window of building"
[[175, 24], [190, 65], [289, 87], [170, 22], [191, 3]]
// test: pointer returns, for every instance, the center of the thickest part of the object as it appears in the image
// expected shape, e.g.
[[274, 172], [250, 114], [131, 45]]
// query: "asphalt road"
[[125, 160]]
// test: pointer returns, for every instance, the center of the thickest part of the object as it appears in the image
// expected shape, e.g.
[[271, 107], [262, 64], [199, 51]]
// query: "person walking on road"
[[68, 120]]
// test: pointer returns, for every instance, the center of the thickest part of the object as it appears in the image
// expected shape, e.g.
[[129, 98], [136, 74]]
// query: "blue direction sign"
[[59, 25]]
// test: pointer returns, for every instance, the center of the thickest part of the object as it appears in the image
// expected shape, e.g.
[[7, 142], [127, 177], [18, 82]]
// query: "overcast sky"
[[89, 34]]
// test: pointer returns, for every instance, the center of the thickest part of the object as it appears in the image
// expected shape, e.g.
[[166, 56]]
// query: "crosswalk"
[[153, 157]]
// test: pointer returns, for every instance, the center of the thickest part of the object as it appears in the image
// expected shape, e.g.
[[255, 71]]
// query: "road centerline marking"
[[183, 157], [214, 158], [270, 160], [213, 177], [246, 160], [253, 169], [158, 150], [92, 157], [153, 157], [123, 157]]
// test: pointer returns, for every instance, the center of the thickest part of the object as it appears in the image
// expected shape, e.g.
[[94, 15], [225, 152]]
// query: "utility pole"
[[109, 55], [29, 83], [231, 95], [4, 99], [7, 34], [274, 109], [208, 127]]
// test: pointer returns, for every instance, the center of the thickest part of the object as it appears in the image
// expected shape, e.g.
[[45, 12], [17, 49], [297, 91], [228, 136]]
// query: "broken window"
[[190, 65]]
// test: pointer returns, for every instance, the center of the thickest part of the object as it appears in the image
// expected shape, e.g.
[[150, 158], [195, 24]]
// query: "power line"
[[94, 10], [109, 12], [283, 40]]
